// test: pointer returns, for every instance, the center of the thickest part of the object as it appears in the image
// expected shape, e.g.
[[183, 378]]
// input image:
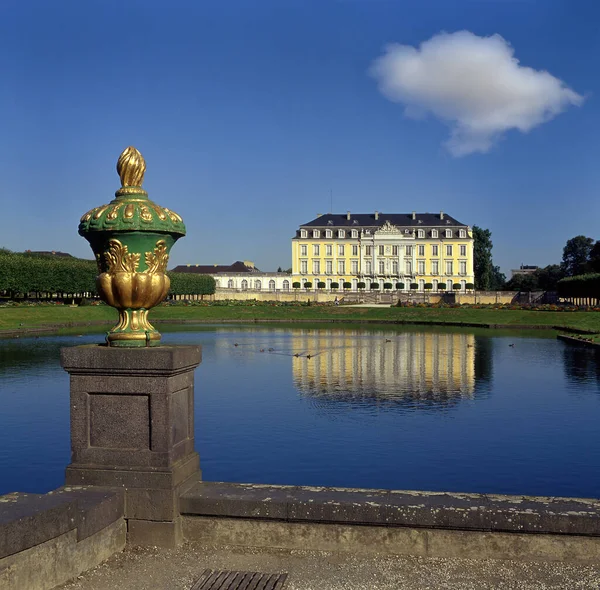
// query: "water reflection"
[[582, 363], [426, 369]]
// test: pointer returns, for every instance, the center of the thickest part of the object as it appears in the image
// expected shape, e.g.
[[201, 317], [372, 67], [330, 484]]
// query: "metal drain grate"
[[229, 580]]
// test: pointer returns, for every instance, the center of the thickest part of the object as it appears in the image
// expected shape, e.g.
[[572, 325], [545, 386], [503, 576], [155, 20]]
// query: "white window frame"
[[434, 233], [341, 267], [449, 268], [463, 264], [381, 250], [462, 233], [421, 250], [328, 233], [304, 267], [435, 267], [303, 250], [448, 233], [354, 267], [328, 250], [303, 233], [354, 250], [316, 233], [355, 233], [463, 250], [341, 250], [409, 250], [434, 250], [341, 233], [381, 267], [421, 267], [272, 285], [449, 250], [316, 267], [421, 233], [316, 250], [329, 267]]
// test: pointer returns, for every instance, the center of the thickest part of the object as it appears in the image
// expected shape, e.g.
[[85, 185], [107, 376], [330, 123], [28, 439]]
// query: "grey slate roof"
[[398, 219], [211, 269]]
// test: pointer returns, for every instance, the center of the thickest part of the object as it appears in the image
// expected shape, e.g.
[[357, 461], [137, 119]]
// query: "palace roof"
[[398, 219]]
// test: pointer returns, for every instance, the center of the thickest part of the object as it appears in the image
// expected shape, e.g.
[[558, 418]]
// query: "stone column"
[[132, 427]]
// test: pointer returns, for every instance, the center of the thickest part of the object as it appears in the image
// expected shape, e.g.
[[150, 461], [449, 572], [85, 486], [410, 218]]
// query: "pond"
[[405, 408]]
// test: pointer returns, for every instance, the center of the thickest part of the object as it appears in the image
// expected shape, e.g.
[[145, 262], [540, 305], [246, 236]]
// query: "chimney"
[[319, 214], [348, 215], [414, 215], [376, 215], [441, 215]]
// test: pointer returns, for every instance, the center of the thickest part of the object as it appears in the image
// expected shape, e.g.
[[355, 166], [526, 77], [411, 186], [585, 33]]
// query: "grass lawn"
[[23, 317]]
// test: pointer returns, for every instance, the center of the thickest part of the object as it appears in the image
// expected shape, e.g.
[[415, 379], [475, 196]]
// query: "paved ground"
[[177, 569]]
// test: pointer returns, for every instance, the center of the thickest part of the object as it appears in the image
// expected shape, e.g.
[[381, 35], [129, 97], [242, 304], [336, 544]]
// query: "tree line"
[[42, 276]]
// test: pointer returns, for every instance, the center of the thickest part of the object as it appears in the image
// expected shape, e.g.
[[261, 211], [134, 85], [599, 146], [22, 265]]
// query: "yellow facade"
[[427, 250]]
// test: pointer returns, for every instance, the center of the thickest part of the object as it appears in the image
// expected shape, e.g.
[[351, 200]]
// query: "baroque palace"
[[424, 250]]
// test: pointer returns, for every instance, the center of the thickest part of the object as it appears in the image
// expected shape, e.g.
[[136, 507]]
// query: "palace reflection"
[[429, 367]]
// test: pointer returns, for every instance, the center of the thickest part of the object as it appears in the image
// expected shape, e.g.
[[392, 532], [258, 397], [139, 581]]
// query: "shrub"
[[387, 286], [321, 285], [470, 286], [307, 285], [441, 286], [361, 285], [335, 285], [582, 286], [428, 286], [374, 286], [296, 285], [399, 285], [414, 286], [456, 287], [347, 285]]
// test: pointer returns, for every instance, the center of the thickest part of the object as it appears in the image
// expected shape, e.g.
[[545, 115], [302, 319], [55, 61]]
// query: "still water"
[[406, 408]]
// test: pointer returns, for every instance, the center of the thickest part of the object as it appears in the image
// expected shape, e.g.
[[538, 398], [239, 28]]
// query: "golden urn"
[[131, 238]]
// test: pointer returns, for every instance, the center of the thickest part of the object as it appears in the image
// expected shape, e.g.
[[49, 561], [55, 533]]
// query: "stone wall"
[[47, 539]]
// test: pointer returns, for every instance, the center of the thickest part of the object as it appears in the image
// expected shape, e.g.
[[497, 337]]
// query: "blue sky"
[[250, 112]]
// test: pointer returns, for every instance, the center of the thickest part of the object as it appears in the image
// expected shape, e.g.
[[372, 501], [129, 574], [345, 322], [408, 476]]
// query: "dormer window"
[[434, 233], [316, 233], [327, 233], [341, 233], [330, 222], [355, 222], [448, 233], [355, 233], [462, 233], [303, 233], [421, 233]]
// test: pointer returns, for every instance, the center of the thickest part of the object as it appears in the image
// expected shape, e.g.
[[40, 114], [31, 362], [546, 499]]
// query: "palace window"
[[286, 285], [328, 267], [421, 285], [355, 233], [381, 250], [328, 250], [341, 233], [367, 250], [271, 285], [434, 250], [435, 268], [463, 285], [316, 267], [341, 267], [448, 233], [328, 233], [354, 250], [421, 267], [449, 267], [434, 233], [381, 267], [341, 249], [394, 250], [316, 233], [408, 267], [462, 233], [409, 250], [315, 249], [368, 267], [244, 285], [421, 233], [354, 266], [463, 250], [395, 267], [303, 250], [449, 250], [304, 266], [230, 284], [421, 250], [257, 285], [463, 267], [303, 233]]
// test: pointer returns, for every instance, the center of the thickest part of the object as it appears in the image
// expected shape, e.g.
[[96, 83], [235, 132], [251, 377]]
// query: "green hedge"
[[581, 286], [187, 283]]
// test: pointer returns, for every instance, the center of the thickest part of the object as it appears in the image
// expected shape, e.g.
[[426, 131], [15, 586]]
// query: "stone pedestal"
[[132, 427]]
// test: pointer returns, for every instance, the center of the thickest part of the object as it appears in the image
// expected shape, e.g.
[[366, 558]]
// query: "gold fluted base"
[[133, 330]]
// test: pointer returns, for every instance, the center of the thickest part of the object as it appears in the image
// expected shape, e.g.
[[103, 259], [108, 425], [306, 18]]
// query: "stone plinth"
[[132, 427]]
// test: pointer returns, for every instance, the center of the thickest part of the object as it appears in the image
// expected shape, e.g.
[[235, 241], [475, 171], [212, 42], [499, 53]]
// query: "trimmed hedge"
[[347, 285], [335, 285], [387, 285], [399, 285], [321, 285], [581, 286], [374, 286], [428, 286], [361, 285], [296, 285], [414, 286], [187, 283]]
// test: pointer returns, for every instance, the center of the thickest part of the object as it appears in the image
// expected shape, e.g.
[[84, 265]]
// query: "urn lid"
[[131, 209]]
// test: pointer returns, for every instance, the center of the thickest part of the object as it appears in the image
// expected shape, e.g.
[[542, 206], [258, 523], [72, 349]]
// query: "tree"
[[549, 276], [482, 258], [523, 282], [428, 286], [296, 284], [576, 255], [387, 286], [335, 285], [498, 281], [374, 286], [321, 285], [400, 286], [361, 285], [594, 258], [347, 285]]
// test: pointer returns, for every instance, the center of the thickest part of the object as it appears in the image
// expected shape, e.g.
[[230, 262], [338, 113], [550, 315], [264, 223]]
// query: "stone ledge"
[[463, 512], [28, 520], [98, 359]]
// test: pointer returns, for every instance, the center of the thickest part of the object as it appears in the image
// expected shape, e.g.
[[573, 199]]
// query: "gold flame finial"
[[131, 167]]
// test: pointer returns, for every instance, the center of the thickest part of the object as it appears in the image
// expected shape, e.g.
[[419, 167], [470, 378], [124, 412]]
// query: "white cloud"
[[474, 84]]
